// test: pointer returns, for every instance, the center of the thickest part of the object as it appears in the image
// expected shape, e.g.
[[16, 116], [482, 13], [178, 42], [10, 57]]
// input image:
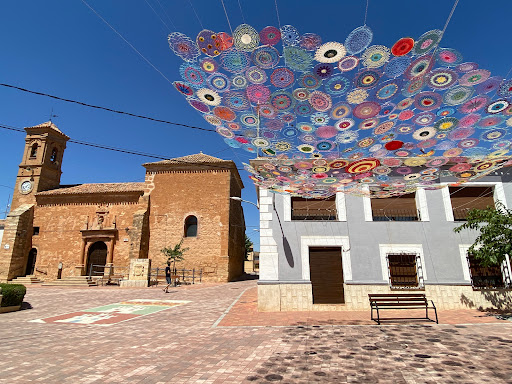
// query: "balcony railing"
[[395, 215], [460, 214], [313, 214]]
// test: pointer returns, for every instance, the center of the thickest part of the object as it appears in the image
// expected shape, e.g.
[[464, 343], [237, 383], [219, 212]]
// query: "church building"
[[56, 231]]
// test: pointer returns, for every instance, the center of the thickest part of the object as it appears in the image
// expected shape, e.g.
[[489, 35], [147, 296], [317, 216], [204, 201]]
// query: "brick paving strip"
[[245, 313], [181, 345]]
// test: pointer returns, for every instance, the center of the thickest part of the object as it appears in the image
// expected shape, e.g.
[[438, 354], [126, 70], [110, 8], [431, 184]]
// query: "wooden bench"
[[400, 301]]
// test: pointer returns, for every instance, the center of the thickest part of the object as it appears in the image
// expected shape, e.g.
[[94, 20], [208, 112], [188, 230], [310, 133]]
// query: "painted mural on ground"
[[114, 313]]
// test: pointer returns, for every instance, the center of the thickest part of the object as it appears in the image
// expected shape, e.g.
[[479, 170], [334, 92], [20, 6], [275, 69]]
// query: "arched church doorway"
[[31, 262], [96, 258]]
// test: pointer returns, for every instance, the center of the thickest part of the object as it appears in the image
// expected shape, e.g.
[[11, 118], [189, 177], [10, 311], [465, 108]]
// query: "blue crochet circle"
[[358, 40]]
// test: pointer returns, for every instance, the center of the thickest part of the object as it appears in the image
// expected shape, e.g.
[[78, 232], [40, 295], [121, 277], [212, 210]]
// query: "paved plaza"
[[212, 333]]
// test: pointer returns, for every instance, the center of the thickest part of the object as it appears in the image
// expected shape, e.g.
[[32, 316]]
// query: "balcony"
[[314, 209], [395, 215], [464, 199]]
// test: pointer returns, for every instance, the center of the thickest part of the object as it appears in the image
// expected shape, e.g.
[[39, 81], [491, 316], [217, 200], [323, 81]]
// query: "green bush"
[[13, 294]]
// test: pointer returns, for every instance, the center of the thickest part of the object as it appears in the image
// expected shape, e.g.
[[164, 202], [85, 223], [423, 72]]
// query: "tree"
[[175, 254], [495, 239], [248, 245]]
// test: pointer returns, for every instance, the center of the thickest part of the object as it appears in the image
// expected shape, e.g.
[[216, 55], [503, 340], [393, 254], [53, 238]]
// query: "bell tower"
[[40, 168]]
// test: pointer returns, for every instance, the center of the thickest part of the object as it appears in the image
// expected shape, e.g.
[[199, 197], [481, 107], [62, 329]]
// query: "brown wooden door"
[[326, 275], [97, 258]]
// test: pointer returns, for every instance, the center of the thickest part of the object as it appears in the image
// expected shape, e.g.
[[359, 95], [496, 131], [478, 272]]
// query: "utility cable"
[[105, 108], [128, 151], [126, 41], [166, 14], [157, 15], [432, 57], [366, 12], [242, 12], [197, 16], [227, 17]]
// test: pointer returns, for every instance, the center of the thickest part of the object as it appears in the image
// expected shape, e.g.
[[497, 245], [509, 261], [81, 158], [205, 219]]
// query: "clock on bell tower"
[[40, 168]]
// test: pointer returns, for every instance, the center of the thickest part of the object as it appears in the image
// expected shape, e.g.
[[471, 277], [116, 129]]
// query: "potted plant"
[[11, 297]]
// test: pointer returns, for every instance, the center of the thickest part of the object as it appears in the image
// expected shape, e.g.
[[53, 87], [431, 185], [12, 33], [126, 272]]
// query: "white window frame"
[[498, 195], [421, 204], [367, 203], [269, 257], [420, 198], [341, 207], [417, 249], [326, 241]]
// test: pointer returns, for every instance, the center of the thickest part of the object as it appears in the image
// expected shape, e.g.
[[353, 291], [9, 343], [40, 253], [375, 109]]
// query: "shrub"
[[13, 294]]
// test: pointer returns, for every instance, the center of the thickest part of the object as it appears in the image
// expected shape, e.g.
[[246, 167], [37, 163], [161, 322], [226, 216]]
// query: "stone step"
[[74, 281], [29, 279]]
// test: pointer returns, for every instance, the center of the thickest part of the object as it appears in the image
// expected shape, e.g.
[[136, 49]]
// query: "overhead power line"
[[123, 150], [105, 108], [126, 41]]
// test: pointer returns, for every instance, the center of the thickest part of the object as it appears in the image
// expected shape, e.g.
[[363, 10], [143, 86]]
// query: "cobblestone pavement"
[[192, 343]]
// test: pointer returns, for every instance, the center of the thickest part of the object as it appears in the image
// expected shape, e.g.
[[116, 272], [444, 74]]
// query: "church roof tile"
[[95, 188], [49, 124], [198, 158]]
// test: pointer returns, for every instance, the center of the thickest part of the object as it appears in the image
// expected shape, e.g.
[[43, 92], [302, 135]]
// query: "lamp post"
[[244, 201]]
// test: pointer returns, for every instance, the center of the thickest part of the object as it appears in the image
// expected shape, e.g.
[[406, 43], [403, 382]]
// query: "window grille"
[[485, 277], [405, 271], [506, 274]]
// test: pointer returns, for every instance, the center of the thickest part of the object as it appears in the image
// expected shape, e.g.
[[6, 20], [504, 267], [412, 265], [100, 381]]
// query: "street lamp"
[[244, 201]]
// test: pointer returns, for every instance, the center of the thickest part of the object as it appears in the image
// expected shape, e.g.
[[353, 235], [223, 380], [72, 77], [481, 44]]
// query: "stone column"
[[110, 257]]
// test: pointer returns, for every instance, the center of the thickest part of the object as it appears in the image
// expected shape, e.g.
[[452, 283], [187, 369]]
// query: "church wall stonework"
[[60, 236], [16, 242], [135, 220], [204, 194]]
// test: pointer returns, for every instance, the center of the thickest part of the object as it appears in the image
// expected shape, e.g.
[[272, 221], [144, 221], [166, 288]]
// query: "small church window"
[[53, 157], [33, 150], [191, 226]]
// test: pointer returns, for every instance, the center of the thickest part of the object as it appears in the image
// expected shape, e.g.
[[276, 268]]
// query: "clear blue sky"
[[62, 48]]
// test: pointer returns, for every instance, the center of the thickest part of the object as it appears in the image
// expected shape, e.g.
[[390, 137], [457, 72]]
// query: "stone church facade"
[[56, 231]]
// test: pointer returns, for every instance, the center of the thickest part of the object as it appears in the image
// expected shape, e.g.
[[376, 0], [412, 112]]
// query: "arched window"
[[191, 226], [33, 150], [53, 157]]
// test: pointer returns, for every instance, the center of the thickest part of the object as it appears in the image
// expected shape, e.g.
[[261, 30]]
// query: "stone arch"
[[54, 156], [96, 258], [33, 150]]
